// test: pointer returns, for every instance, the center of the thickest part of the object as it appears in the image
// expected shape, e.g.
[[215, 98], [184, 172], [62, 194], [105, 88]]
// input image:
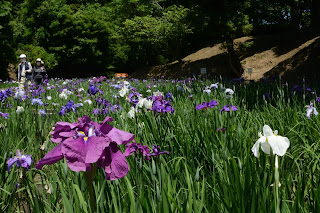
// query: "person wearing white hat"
[[24, 71], [39, 72]]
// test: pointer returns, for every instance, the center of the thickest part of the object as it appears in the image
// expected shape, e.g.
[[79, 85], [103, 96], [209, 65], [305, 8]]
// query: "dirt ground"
[[292, 55]]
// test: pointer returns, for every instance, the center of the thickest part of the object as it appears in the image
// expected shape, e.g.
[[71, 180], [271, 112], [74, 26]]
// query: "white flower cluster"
[[65, 93], [19, 110]]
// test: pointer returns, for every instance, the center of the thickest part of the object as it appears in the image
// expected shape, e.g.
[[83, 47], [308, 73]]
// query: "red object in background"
[[121, 75]]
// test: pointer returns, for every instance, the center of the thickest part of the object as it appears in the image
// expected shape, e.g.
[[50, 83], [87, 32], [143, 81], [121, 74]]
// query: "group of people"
[[28, 74]]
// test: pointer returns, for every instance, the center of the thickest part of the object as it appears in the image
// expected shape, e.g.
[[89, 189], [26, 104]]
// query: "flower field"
[[108, 145]]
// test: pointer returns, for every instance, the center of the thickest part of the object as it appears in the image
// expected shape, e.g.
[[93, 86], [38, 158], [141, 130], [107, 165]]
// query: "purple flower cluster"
[[37, 91], [102, 103], [228, 108], [221, 129], [5, 94], [162, 106], [134, 98], [138, 148], [298, 89], [85, 142], [68, 107], [169, 96], [104, 111], [21, 160], [104, 107], [204, 105], [98, 80], [92, 89], [4, 115], [37, 101]]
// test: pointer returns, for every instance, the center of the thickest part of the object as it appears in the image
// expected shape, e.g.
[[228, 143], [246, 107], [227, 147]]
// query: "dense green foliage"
[[206, 171], [129, 34]]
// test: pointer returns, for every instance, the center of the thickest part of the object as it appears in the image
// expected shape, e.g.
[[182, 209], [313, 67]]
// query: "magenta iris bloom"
[[221, 129], [21, 160], [85, 142], [135, 148]]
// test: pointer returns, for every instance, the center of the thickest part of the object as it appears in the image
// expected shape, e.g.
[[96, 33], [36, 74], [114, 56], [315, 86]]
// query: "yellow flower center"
[[84, 138]]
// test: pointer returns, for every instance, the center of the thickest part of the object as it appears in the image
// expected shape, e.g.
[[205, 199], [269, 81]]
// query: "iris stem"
[[89, 178], [276, 177]]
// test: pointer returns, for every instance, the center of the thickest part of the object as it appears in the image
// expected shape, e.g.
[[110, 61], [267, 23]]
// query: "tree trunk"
[[295, 13], [234, 60], [174, 46]]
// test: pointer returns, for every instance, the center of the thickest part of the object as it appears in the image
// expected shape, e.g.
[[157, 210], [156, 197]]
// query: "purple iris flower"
[[101, 102], [318, 100], [169, 96], [76, 106], [296, 88], [42, 112], [117, 86], [267, 96], [21, 160], [204, 105], [228, 108], [37, 101], [92, 90], [3, 96], [116, 107], [212, 103], [162, 106], [96, 111], [135, 148], [69, 105], [134, 98], [62, 111], [157, 152], [4, 115], [85, 142]]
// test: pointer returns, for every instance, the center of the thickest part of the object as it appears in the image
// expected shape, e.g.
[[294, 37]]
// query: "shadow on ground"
[[304, 64]]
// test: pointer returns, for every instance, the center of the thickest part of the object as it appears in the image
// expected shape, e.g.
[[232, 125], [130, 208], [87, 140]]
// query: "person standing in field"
[[39, 72], [24, 71]]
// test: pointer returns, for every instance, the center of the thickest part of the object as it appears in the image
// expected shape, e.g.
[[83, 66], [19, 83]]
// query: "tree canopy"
[[129, 34]]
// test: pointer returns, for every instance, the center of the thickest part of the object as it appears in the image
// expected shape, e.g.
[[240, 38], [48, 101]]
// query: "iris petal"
[[279, 144], [51, 157], [267, 131]]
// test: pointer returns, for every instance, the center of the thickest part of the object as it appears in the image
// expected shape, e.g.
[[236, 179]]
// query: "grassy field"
[[207, 169]]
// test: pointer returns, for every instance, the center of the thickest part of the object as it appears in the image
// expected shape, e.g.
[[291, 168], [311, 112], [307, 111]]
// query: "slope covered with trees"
[[74, 36]]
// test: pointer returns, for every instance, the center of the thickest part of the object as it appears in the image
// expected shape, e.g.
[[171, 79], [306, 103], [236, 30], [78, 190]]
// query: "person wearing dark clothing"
[[39, 72]]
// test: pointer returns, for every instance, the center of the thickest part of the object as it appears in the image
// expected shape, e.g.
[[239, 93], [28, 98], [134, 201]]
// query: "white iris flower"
[[270, 141]]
